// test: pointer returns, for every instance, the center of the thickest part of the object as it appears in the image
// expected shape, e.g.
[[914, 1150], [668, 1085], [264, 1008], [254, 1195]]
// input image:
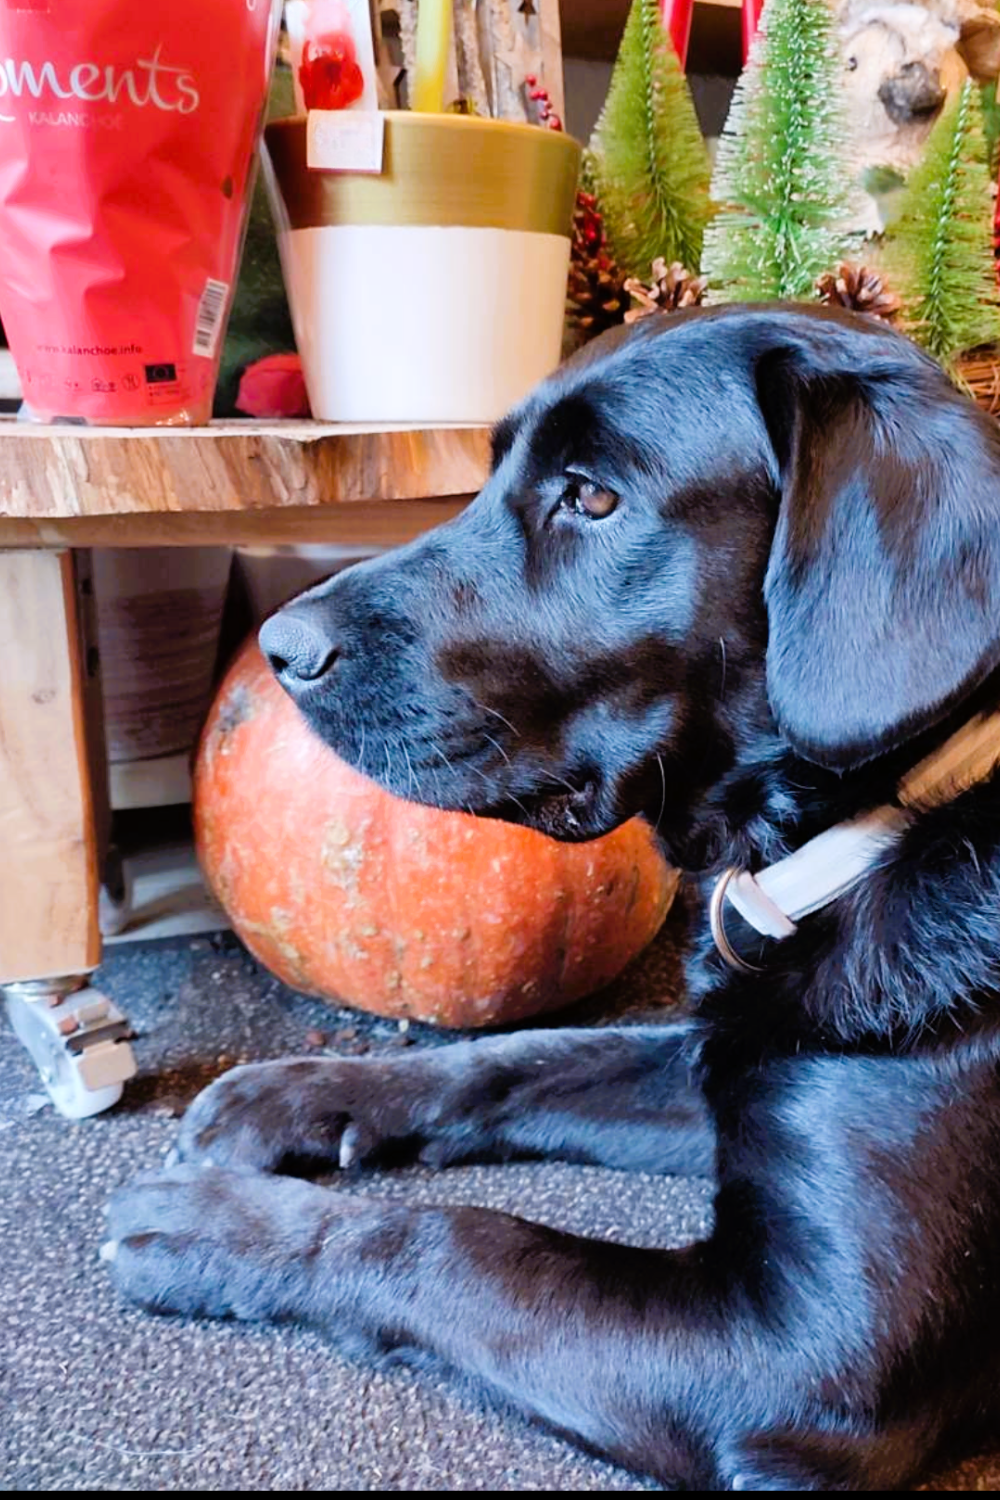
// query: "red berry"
[[329, 73]]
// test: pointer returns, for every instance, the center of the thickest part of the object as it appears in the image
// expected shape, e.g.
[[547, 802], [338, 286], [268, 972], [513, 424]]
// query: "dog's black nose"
[[298, 648]]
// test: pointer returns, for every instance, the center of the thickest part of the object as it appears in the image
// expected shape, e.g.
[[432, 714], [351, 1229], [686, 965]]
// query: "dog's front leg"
[[795, 1349], [623, 1096], [616, 1348]]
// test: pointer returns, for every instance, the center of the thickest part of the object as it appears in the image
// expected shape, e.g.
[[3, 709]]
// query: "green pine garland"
[[647, 160], [779, 173], [939, 254]]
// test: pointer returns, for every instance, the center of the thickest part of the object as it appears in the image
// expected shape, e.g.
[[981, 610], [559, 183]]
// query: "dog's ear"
[[883, 585], [979, 44]]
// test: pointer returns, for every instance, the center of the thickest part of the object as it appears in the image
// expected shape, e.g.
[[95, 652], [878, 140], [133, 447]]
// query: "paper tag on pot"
[[345, 140]]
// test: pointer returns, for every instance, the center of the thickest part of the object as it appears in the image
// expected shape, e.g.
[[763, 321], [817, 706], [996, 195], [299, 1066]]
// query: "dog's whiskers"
[[481, 774], [663, 800], [497, 715], [483, 777], [561, 780], [497, 746], [438, 751], [411, 783]]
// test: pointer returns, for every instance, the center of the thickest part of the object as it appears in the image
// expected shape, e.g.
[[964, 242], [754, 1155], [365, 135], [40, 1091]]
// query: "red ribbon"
[[751, 21], [677, 19]]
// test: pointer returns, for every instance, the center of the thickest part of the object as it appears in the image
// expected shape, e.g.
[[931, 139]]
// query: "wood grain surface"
[[48, 843], [233, 468]]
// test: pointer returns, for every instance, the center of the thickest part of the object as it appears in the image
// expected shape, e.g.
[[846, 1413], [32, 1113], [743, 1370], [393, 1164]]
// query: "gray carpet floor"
[[96, 1395]]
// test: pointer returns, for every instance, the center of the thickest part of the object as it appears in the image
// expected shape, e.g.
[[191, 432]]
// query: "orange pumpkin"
[[347, 892]]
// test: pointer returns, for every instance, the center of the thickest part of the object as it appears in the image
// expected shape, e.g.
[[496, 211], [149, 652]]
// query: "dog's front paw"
[[261, 1116], [220, 1244]]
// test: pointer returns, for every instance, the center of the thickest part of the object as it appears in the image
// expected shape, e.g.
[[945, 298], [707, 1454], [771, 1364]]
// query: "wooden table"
[[64, 490]]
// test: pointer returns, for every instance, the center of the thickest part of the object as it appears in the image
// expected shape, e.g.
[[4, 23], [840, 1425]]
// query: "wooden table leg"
[[48, 834], [53, 833]]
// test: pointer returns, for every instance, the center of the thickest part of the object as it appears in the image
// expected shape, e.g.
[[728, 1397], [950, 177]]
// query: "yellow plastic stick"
[[433, 36]]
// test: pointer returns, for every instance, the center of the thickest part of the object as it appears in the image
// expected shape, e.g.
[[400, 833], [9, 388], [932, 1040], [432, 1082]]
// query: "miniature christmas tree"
[[647, 160], [780, 178], [940, 251]]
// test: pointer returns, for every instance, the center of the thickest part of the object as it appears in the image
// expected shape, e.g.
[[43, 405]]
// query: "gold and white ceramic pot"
[[434, 291]]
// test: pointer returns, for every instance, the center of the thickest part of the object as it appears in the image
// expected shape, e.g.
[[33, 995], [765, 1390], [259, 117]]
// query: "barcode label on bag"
[[208, 325]]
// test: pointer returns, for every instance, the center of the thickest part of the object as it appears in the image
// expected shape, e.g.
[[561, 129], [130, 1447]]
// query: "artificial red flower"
[[329, 72]]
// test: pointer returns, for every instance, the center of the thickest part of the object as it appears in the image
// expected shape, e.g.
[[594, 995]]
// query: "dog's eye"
[[852, 63], [588, 499]]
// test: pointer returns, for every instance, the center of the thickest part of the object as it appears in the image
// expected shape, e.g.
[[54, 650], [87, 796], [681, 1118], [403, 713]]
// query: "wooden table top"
[[68, 485]]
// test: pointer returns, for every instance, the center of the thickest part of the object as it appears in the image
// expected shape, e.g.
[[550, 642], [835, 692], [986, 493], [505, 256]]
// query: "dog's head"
[[718, 536]]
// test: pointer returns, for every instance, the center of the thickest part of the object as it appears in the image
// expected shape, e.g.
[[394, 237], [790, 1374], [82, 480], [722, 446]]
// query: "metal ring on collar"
[[718, 925]]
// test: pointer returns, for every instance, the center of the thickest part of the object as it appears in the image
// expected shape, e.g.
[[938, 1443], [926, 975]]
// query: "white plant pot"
[[434, 292]]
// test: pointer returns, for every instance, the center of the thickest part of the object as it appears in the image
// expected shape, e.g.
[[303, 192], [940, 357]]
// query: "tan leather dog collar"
[[775, 899]]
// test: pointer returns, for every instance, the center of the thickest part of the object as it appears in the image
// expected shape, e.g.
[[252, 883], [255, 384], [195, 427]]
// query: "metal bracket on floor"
[[77, 1038]]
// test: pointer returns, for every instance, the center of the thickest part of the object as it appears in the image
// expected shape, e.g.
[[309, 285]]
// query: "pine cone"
[[672, 288], [859, 289], [596, 289]]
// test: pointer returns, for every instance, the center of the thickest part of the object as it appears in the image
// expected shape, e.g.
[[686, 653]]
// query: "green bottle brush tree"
[[939, 253], [780, 180], [647, 162]]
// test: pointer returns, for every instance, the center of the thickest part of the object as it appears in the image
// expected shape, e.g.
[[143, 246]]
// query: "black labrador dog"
[[738, 571]]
